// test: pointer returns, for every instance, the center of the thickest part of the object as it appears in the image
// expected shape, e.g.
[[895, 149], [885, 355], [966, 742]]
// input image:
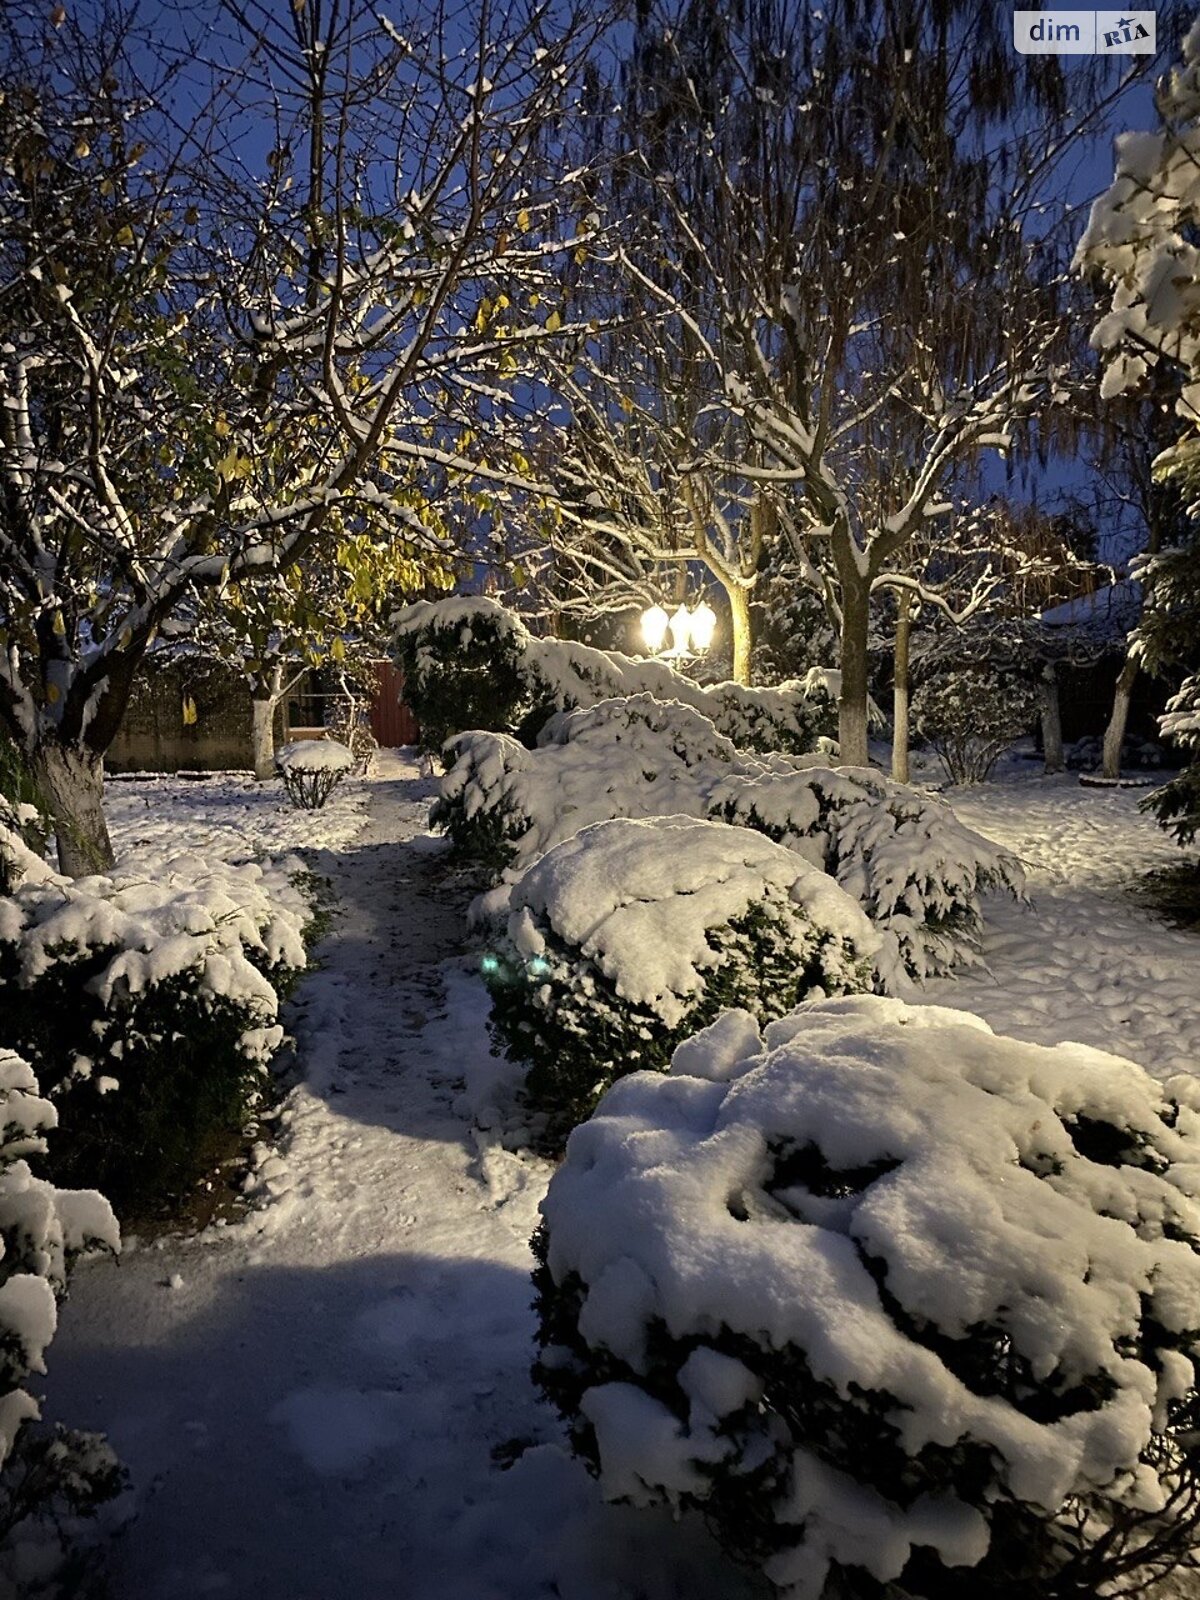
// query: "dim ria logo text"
[[1084, 33]]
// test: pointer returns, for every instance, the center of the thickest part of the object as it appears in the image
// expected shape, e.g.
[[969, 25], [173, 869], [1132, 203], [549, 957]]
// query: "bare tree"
[[208, 349]]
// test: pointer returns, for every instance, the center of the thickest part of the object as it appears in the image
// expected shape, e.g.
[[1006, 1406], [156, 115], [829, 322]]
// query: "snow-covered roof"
[[1114, 609]]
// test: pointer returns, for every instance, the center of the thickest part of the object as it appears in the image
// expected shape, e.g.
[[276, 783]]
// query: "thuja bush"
[[917, 871], [625, 938], [43, 1474], [147, 1000], [903, 1307]]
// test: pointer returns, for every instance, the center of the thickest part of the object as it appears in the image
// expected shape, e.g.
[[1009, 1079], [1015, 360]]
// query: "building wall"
[[155, 737]]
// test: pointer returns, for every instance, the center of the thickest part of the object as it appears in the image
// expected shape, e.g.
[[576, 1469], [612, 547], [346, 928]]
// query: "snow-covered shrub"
[[147, 1000], [42, 1229], [504, 805], [916, 870], [1177, 804], [889, 1298], [627, 937], [973, 714], [311, 770], [470, 664]]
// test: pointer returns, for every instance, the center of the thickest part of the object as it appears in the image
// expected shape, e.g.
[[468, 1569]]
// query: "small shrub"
[[42, 1230], [971, 715], [311, 770], [148, 1003], [627, 937], [891, 1300]]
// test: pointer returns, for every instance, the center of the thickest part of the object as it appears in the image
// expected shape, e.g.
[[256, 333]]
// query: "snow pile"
[[18, 862], [625, 938], [914, 867], [881, 1287], [468, 663], [41, 1229], [162, 981], [311, 770], [314, 755]]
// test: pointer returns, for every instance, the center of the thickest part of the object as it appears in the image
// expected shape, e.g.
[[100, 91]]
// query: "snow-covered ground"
[[326, 1400]]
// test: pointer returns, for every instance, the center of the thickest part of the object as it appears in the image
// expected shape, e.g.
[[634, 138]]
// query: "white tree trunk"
[[262, 734], [1114, 734], [71, 778], [900, 733], [1052, 739]]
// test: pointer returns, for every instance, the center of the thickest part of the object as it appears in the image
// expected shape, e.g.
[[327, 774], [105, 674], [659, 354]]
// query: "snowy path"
[[322, 1405]]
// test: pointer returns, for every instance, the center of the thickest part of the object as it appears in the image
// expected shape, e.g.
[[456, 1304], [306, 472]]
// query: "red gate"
[[392, 722]]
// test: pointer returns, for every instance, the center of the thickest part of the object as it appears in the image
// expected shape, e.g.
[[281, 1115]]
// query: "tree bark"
[[1052, 739], [900, 737], [742, 640], [1114, 734], [852, 705], [71, 777]]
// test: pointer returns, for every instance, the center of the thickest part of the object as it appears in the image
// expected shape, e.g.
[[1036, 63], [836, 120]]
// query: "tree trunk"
[[1114, 734], [900, 688], [262, 734], [72, 779], [852, 706], [739, 611], [1052, 739], [264, 697]]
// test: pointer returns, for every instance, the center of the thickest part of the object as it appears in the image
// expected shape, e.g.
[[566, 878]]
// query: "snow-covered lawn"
[[326, 1400]]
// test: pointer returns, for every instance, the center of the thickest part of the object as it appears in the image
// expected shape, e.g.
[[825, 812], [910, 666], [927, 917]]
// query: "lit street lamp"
[[691, 631]]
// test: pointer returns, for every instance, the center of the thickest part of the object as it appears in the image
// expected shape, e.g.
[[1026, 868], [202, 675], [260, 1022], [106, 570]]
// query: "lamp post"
[[691, 631]]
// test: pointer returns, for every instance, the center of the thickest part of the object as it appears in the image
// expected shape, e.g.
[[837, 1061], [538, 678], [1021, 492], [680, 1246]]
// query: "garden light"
[[655, 623], [704, 625]]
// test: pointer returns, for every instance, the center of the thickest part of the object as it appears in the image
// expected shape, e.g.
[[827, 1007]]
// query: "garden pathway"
[[324, 1402]]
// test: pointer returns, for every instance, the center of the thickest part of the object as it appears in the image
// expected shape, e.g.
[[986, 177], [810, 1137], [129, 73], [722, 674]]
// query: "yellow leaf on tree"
[[338, 650], [52, 693], [221, 428], [125, 235], [189, 711], [553, 322], [523, 221]]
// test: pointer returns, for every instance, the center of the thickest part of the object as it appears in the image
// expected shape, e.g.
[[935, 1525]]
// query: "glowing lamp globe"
[[681, 630], [704, 625], [655, 623]]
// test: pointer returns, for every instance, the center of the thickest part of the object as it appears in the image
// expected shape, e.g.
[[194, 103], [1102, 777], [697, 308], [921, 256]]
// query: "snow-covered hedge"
[[42, 1229], [886, 1294], [504, 805], [625, 938], [311, 770], [1177, 804], [470, 664], [917, 871], [148, 1000]]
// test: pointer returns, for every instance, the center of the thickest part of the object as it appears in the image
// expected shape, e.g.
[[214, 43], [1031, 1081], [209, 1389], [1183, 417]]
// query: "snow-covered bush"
[[42, 1229], [504, 805], [1177, 804], [22, 810], [470, 664], [885, 1295], [916, 870], [148, 1001], [972, 715], [311, 770], [627, 937]]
